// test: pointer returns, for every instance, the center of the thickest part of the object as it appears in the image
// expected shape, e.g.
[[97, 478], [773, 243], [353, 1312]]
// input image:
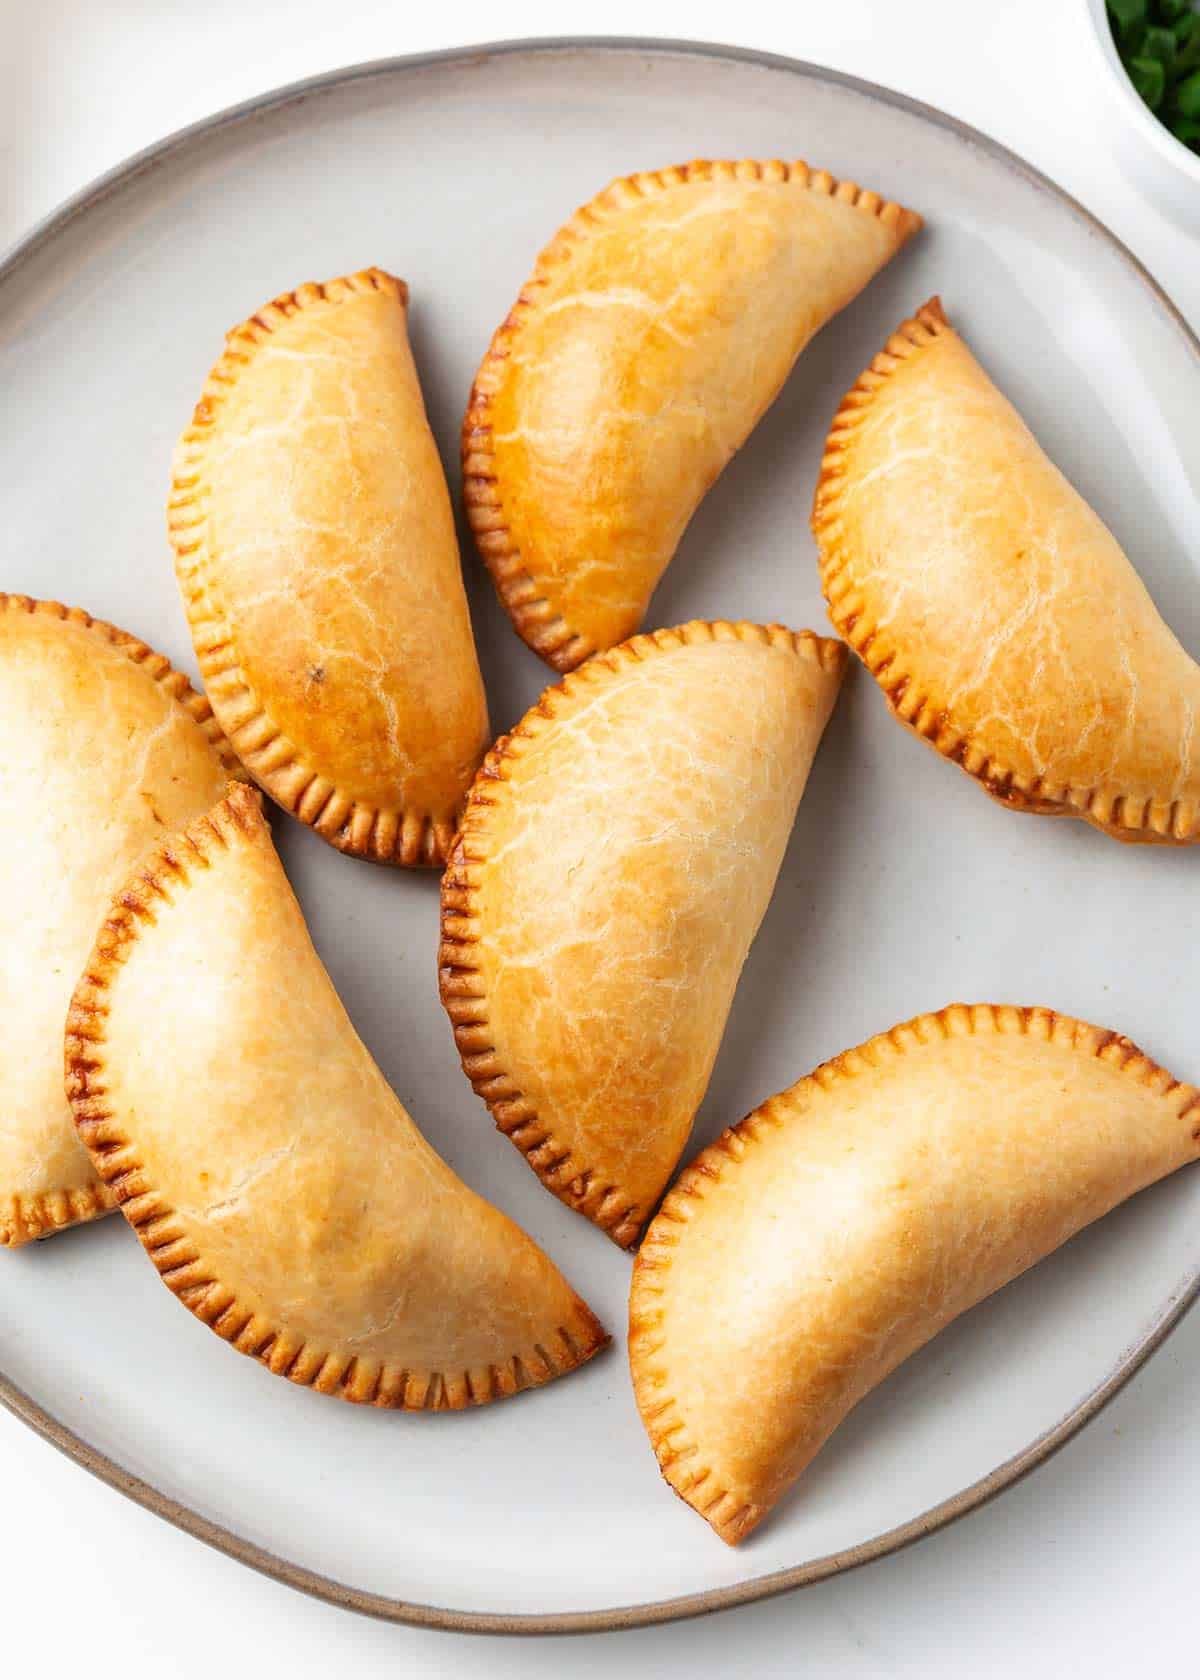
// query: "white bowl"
[[1158, 164]]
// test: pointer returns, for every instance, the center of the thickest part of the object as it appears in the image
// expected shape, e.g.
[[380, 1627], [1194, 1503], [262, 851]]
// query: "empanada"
[[993, 607], [106, 748], [317, 558], [276, 1182], [617, 854], [656, 329], [830, 1234]]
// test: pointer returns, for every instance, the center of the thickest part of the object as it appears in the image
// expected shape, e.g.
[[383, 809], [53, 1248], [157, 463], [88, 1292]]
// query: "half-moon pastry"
[[833, 1232], [317, 558], [655, 331], [616, 856], [106, 748], [993, 607], [275, 1180]]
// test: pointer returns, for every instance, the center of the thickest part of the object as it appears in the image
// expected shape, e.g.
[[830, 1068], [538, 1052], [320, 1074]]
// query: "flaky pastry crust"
[[835, 1230], [617, 854], [105, 747], [991, 604], [657, 327], [270, 1173], [316, 554]]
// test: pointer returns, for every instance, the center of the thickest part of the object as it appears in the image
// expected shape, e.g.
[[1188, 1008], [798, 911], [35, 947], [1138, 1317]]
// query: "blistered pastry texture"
[[657, 327], [106, 747], [270, 1173], [835, 1230], [991, 604], [317, 557], [616, 856]]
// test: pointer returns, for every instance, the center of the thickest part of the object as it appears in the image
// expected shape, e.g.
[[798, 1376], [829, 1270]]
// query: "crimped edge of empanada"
[[514, 574], [31, 1218], [1122, 815], [681, 1459], [25, 1218], [155, 884], [462, 987], [277, 763]]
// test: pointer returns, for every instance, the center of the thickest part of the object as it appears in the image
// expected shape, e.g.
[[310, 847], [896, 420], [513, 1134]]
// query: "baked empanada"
[[276, 1182], [993, 607], [317, 558], [656, 329], [105, 749], [617, 854], [840, 1226]]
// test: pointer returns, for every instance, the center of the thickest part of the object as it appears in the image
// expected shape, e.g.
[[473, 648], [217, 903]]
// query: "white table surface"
[[1092, 1562]]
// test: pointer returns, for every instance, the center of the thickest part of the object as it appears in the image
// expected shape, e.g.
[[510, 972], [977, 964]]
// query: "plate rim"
[[1012, 1470]]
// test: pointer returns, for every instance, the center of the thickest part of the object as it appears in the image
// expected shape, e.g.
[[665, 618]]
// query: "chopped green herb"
[[1187, 96], [1187, 50], [1127, 14], [1159, 45], [1149, 78]]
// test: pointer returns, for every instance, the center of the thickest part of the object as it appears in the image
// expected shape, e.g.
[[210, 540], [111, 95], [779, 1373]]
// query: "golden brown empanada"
[[816, 1245], [276, 1182], [654, 332], [993, 607], [616, 856], [105, 748], [319, 566]]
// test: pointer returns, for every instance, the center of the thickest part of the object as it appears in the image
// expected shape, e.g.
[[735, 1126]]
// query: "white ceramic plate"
[[904, 887]]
